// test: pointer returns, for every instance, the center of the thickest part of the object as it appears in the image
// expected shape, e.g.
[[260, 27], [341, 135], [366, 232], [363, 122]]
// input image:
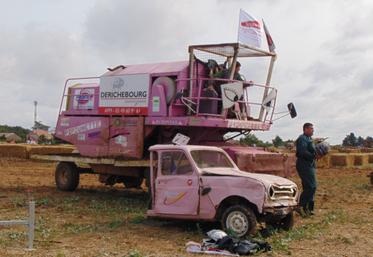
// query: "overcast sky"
[[324, 65]]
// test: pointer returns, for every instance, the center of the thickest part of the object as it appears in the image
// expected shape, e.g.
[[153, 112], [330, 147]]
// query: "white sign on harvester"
[[249, 30], [84, 98], [268, 100], [124, 94], [231, 93]]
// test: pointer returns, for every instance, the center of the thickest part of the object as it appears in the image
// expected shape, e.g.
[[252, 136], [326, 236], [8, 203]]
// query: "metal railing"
[[30, 223], [193, 101]]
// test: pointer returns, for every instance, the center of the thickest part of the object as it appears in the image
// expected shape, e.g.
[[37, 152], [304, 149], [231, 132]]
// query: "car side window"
[[175, 163]]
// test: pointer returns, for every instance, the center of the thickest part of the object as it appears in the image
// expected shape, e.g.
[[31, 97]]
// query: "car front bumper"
[[278, 211]]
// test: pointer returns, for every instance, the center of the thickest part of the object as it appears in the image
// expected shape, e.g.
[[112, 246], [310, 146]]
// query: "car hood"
[[266, 179]]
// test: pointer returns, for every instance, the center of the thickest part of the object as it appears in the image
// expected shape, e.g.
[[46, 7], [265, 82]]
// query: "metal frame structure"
[[30, 223], [232, 51]]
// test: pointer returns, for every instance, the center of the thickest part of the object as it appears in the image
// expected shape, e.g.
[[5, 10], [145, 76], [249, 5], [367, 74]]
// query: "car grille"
[[282, 192]]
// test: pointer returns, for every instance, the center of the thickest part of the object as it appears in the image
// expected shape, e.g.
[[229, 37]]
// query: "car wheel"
[[133, 182], [67, 176], [240, 220]]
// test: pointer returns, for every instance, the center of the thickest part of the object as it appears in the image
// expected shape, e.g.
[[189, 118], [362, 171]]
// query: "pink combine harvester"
[[119, 120]]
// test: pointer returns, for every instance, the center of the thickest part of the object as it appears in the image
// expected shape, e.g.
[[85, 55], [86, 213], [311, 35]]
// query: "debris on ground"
[[222, 244]]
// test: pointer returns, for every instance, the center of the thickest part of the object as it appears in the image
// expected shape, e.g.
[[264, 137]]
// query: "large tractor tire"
[[67, 176]]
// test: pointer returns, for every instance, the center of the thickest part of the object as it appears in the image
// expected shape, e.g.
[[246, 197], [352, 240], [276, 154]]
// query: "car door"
[[176, 185]]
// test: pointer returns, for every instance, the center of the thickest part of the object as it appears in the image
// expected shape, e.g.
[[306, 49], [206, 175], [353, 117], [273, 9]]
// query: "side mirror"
[[206, 190], [292, 111]]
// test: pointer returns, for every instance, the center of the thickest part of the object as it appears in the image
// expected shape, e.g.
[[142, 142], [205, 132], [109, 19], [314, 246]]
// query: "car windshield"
[[211, 159]]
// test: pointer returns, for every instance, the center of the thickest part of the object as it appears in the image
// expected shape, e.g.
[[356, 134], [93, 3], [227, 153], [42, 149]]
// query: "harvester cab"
[[131, 107]]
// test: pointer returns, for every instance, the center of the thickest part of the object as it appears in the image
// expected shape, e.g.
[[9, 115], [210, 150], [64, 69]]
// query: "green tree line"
[[357, 141], [21, 132], [252, 140]]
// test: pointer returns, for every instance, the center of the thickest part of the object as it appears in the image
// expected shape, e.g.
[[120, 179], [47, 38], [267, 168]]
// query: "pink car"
[[203, 183]]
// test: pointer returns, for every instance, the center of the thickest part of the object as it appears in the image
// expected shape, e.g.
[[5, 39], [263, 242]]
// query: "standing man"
[[306, 167], [225, 73]]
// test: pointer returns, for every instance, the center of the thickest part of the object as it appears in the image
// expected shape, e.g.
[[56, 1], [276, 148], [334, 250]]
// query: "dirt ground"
[[98, 220]]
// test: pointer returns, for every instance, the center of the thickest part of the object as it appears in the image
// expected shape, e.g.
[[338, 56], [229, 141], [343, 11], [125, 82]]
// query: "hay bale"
[[324, 162], [50, 149], [358, 160], [366, 150], [24, 151], [370, 160], [349, 150], [14, 151], [338, 160]]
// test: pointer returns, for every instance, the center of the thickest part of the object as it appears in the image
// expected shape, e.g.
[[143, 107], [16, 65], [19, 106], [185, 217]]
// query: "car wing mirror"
[[292, 111]]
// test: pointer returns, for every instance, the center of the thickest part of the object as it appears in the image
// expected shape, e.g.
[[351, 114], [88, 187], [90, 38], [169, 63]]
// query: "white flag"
[[249, 30], [271, 45]]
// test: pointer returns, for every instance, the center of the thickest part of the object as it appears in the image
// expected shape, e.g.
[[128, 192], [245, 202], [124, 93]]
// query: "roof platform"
[[230, 49]]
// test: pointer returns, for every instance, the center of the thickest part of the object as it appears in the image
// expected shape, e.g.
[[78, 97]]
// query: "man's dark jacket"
[[306, 154]]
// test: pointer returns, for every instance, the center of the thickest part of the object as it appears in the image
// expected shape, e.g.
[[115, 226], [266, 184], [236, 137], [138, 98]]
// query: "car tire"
[[240, 220], [67, 176], [285, 223]]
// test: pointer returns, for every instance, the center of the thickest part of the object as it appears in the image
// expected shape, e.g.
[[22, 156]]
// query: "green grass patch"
[[79, 228], [138, 219], [281, 240], [134, 253], [113, 225]]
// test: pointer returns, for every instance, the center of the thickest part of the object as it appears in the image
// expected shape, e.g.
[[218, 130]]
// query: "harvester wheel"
[[67, 176], [133, 182], [147, 177], [240, 220]]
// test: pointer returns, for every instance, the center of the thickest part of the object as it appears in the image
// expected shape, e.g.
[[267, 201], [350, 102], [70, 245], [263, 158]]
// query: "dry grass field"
[[98, 220]]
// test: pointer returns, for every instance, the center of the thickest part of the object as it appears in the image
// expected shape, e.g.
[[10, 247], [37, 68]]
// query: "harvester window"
[[175, 163]]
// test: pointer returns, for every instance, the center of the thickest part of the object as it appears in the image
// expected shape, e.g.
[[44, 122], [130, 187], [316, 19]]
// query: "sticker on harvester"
[[121, 140], [155, 103], [65, 122], [95, 124], [83, 98], [81, 137], [124, 94]]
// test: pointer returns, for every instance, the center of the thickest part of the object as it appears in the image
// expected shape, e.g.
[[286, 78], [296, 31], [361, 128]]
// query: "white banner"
[[125, 94], [249, 30]]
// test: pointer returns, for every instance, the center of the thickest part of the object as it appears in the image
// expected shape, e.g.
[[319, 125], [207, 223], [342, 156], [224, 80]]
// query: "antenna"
[[35, 112]]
